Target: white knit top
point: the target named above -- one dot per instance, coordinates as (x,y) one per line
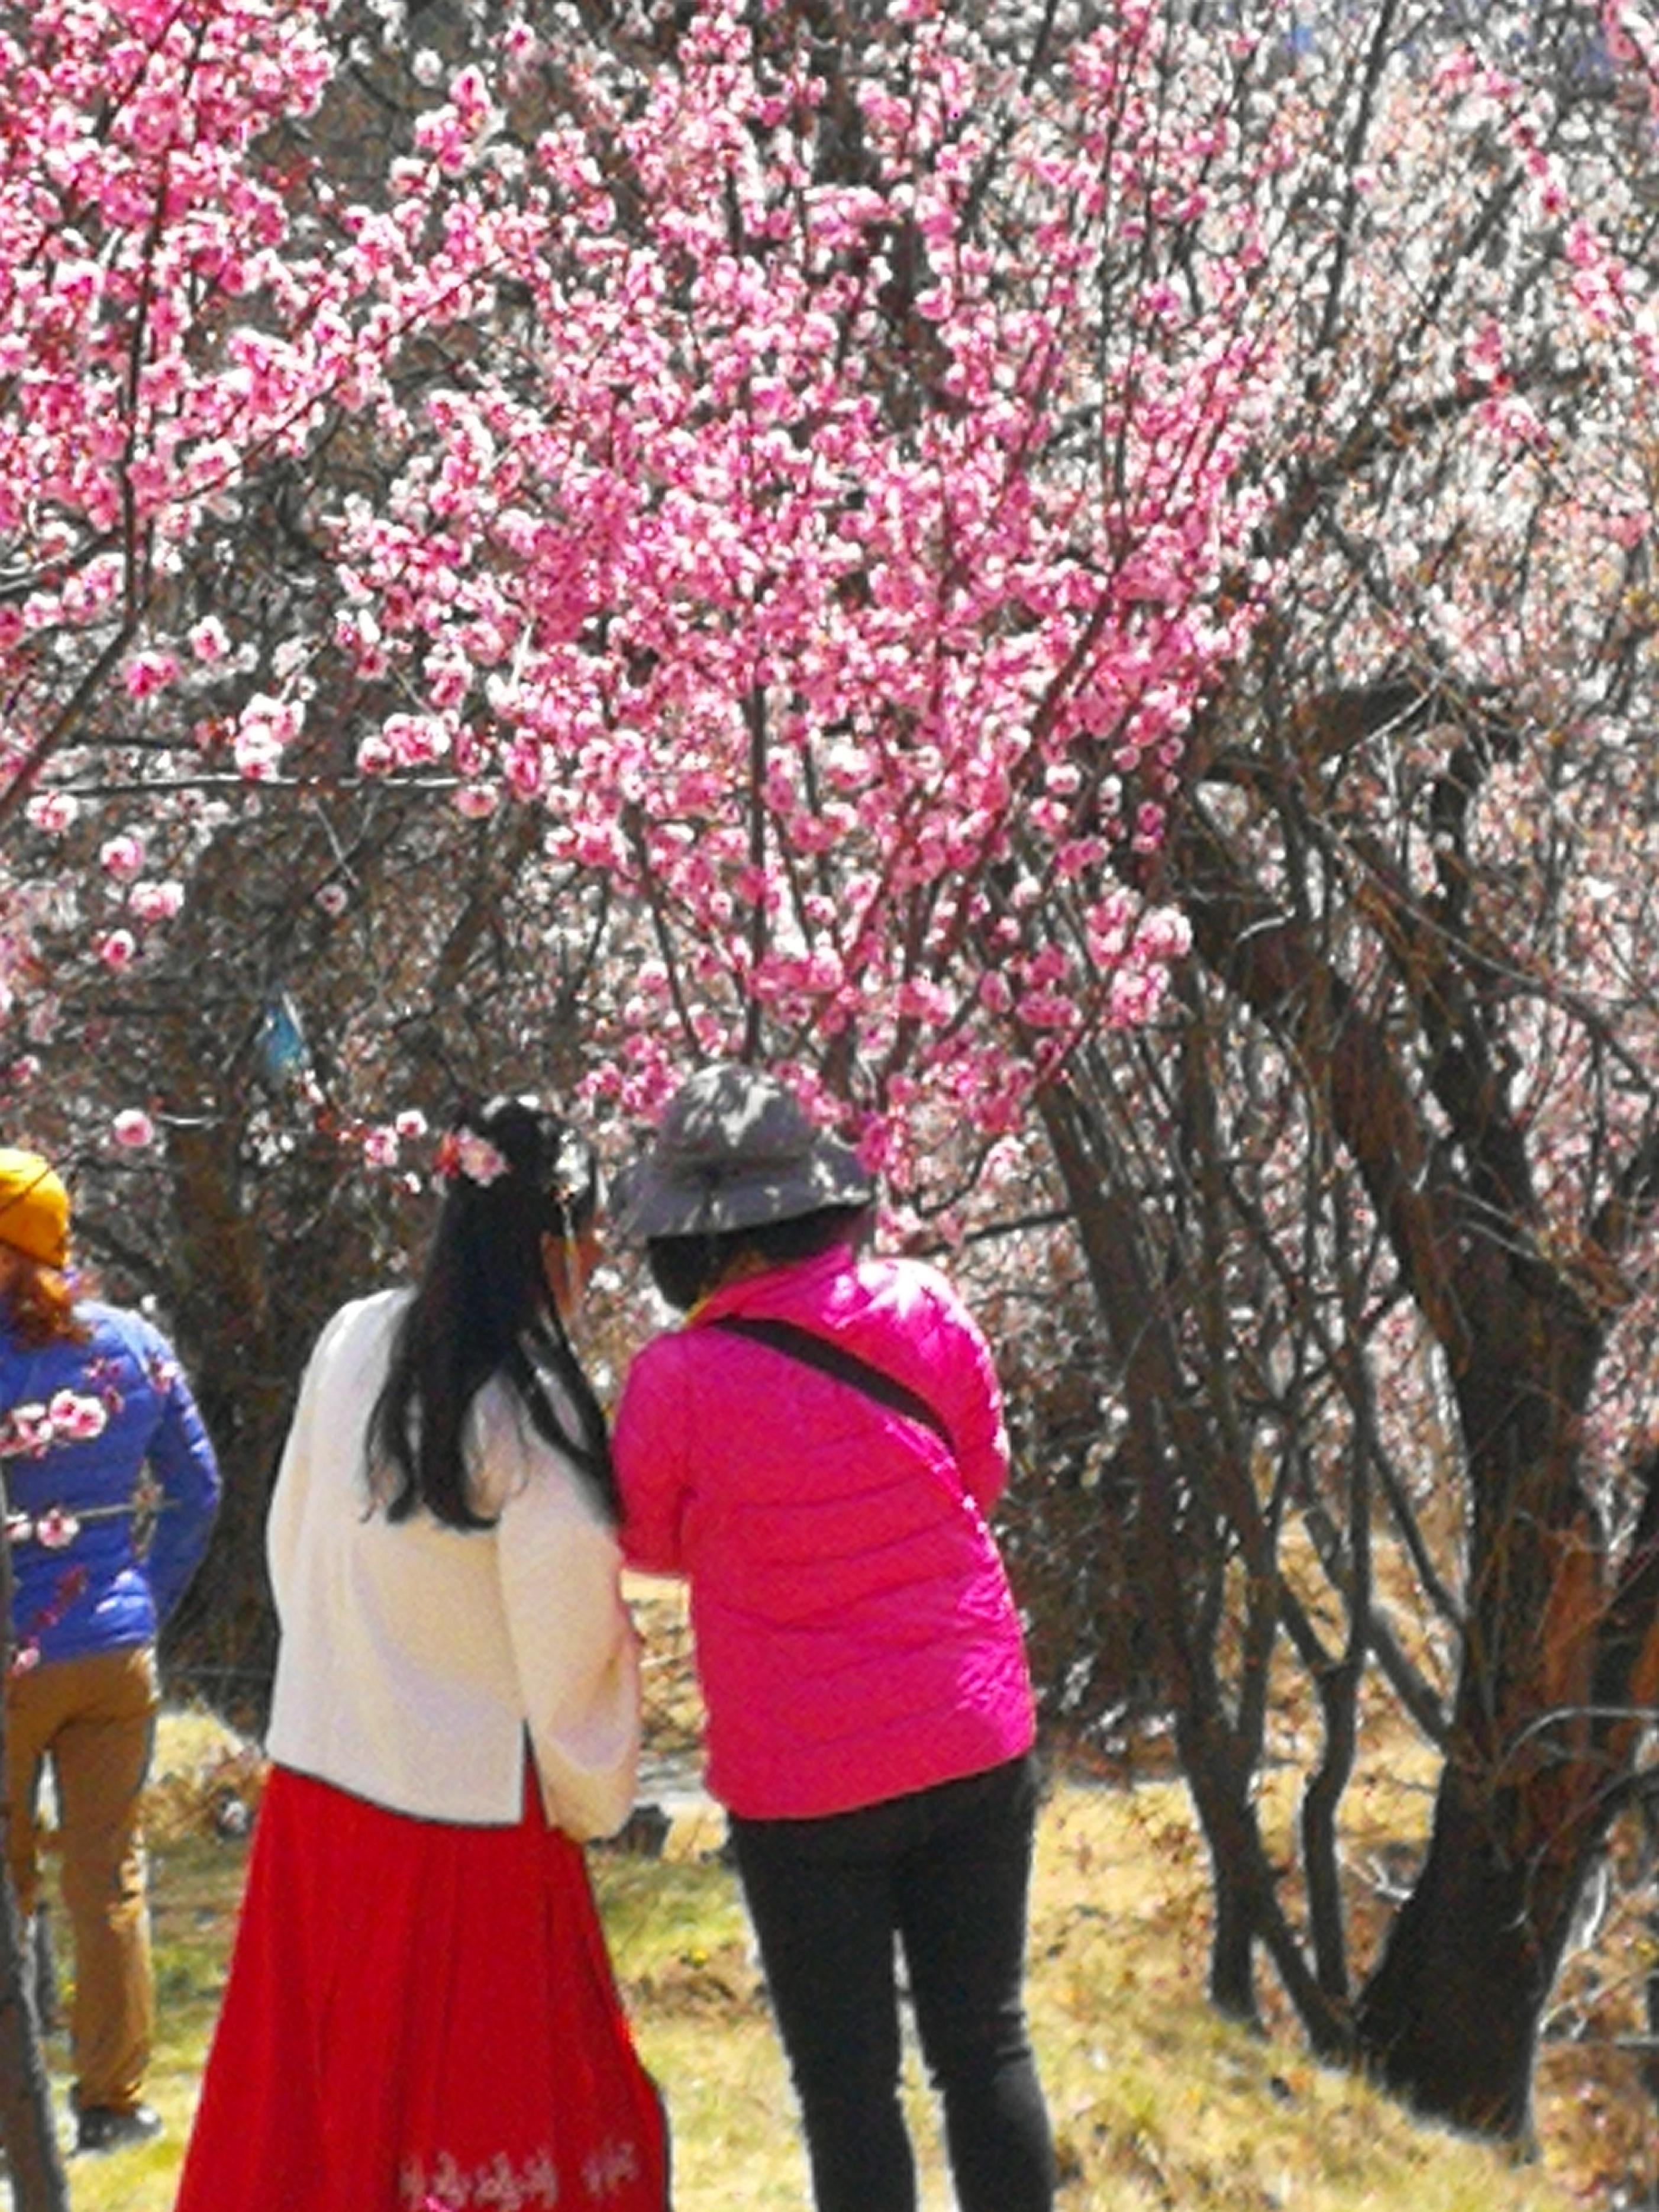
(417,1661)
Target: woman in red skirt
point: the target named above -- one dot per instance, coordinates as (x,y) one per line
(421,2015)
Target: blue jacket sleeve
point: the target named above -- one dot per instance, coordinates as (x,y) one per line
(181,1459)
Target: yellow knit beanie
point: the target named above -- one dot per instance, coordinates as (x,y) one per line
(34,1207)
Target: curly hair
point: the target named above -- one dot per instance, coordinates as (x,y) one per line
(40,1304)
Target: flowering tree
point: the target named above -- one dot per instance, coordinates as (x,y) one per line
(765,546)
(133,227)
(1395,1224)
(692,470)
(850,534)
(772,553)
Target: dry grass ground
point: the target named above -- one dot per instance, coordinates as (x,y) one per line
(1158,2103)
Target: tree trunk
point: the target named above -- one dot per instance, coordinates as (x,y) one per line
(27,2128)
(1232,1947)
(257,1266)
(221,1641)
(1449,2016)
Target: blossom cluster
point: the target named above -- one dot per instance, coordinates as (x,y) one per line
(70,1417)
(826,504)
(53,1530)
(796,609)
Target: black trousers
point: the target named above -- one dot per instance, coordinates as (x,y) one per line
(946,1872)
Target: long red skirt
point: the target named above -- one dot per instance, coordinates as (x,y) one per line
(419,2018)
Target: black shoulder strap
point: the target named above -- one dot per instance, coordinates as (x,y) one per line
(815,1351)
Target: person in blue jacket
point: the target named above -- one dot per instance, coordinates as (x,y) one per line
(90,1397)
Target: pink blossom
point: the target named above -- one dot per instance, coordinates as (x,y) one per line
(118,949)
(149,672)
(1164,934)
(157,902)
(51,812)
(208,640)
(1133,996)
(411,740)
(259,753)
(1048,1009)
(521,764)
(265,727)
(77,1416)
(477,800)
(381,1148)
(123,856)
(133,1128)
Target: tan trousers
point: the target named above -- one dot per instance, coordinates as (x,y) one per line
(95,1719)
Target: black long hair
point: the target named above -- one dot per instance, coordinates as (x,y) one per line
(517,1173)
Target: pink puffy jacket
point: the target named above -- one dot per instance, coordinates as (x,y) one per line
(855,1635)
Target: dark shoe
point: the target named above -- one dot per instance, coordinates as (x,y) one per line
(101,2127)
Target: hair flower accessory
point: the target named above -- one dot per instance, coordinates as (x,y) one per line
(464,1152)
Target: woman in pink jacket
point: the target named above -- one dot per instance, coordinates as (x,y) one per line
(816,1449)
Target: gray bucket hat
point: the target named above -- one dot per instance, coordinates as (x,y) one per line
(736,1149)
